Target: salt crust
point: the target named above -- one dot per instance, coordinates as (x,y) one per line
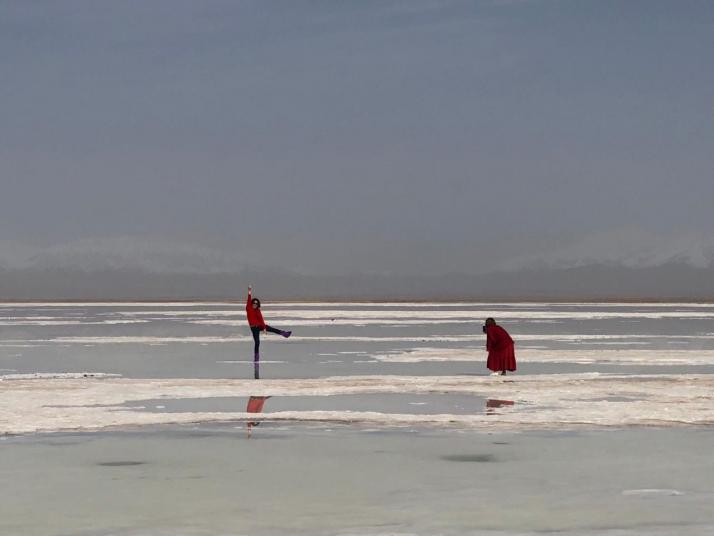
(560,401)
(580,356)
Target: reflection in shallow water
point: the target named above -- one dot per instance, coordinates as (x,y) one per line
(255,405)
(493,404)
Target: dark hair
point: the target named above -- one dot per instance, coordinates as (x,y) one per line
(255,301)
(490,320)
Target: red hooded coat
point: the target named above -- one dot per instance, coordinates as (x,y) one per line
(501,349)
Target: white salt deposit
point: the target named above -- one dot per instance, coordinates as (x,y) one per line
(653,492)
(68,322)
(550,355)
(542,401)
(56,375)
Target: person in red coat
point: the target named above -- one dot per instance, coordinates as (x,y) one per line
(257,324)
(501,348)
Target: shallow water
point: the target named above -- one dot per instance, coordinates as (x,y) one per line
(213,341)
(377,419)
(343,480)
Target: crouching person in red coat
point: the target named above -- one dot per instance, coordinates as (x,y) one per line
(501,348)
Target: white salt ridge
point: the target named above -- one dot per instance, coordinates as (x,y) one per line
(129,339)
(57,375)
(338,322)
(652,492)
(232,312)
(578,337)
(323,304)
(478,316)
(489,304)
(541,402)
(667,357)
(67,305)
(32,317)
(435,315)
(68,322)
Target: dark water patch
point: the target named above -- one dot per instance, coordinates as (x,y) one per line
(475,458)
(121,463)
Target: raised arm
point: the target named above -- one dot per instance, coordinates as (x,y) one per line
(250,297)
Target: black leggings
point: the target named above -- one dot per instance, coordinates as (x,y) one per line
(255,330)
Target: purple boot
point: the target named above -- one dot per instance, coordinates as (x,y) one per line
(256,357)
(286,334)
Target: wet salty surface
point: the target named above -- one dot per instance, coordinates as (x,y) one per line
(345,480)
(212,340)
(410,404)
(374,419)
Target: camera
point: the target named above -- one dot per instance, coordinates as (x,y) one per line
(483,328)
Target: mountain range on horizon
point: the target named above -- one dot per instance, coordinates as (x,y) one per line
(630,248)
(598,267)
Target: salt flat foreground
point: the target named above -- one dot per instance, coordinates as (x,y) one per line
(332,480)
(377,419)
(539,401)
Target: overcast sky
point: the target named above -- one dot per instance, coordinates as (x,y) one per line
(373,135)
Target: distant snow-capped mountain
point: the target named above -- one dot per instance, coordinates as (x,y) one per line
(628,249)
(620,266)
(127,254)
(631,249)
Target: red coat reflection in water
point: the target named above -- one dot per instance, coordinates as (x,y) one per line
(493,404)
(501,348)
(255,405)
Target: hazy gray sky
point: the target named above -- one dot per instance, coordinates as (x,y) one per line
(370,134)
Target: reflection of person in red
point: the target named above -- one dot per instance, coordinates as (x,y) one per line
(493,404)
(501,349)
(255,405)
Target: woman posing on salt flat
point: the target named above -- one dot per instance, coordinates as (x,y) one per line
(257,324)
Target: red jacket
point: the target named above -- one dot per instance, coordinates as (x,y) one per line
(497,338)
(255,317)
(501,352)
